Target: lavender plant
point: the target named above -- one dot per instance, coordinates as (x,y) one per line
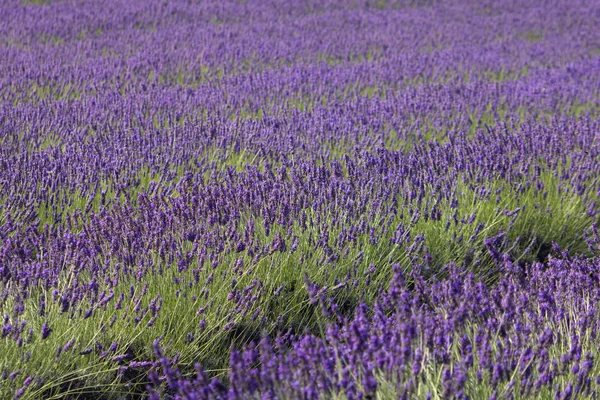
(299,199)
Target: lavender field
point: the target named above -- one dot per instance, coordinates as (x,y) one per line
(299,199)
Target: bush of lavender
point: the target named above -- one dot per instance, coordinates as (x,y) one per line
(299,199)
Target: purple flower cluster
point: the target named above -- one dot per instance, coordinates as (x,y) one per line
(455,338)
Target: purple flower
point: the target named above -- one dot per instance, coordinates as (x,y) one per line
(45,331)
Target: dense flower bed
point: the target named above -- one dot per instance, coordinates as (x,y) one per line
(533,334)
(299,199)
